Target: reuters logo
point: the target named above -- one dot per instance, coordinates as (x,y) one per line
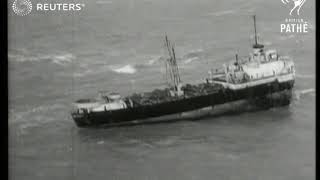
(22,7)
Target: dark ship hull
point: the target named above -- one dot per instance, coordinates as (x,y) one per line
(221,96)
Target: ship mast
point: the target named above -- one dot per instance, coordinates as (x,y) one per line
(172,69)
(255,30)
(256,45)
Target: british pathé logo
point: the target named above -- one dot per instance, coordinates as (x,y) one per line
(297,4)
(294,25)
(22,7)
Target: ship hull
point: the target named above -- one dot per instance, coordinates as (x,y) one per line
(259,94)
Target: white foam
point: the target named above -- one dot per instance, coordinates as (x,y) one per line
(100,142)
(153,60)
(61,59)
(307,91)
(298,93)
(21,58)
(167,142)
(34,117)
(127,69)
(189,60)
(16,117)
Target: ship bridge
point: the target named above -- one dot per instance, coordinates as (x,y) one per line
(261,67)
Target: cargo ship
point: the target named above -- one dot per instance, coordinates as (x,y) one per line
(264,76)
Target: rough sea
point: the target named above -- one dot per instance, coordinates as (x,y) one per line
(117,45)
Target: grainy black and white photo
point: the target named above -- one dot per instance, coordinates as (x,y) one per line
(161,89)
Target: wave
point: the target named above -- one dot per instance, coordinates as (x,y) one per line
(189,60)
(311,26)
(82,74)
(168,141)
(127,69)
(154,60)
(35,117)
(186,59)
(267,43)
(103,2)
(134,68)
(221,13)
(147,1)
(194,53)
(299,93)
(21,58)
(192,56)
(20,116)
(100,142)
(305,76)
(60,59)
(287,37)
(307,91)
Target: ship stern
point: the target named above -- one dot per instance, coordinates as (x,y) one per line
(81,120)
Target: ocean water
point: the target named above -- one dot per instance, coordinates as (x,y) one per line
(117,45)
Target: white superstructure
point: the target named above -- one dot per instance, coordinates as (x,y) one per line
(260,68)
(105,102)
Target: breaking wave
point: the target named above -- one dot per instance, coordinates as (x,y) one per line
(307,91)
(192,56)
(155,61)
(127,69)
(62,59)
(133,68)
(188,58)
(300,93)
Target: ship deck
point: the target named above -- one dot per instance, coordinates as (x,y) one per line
(163,95)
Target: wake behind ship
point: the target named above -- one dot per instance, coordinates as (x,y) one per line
(264,76)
